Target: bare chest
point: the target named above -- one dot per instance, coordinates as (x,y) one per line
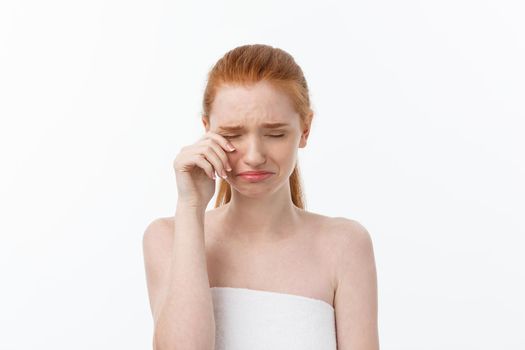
(302,265)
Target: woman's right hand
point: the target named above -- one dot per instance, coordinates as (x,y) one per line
(195,167)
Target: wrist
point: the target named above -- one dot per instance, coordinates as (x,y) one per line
(190,205)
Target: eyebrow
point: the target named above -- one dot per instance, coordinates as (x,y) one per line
(240,127)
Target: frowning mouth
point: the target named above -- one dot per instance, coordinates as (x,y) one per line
(255,172)
(255,176)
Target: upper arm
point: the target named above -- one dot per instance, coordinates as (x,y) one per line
(157,249)
(356,294)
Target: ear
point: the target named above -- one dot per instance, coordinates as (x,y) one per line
(206,124)
(306,130)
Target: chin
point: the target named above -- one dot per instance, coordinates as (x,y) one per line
(256,191)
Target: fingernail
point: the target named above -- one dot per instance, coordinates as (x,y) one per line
(231,148)
(224,175)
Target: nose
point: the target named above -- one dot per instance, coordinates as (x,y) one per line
(254,153)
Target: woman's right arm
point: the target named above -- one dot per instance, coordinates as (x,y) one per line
(175,253)
(178,283)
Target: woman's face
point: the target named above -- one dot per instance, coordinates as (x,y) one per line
(242,115)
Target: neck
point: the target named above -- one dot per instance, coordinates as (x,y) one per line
(262,219)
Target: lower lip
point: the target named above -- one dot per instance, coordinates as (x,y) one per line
(255,178)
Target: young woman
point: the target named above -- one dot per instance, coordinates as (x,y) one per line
(258,271)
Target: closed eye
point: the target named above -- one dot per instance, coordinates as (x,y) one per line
(232,136)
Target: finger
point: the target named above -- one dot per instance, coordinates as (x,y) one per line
(220,153)
(209,152)
(205,165)
(221,140)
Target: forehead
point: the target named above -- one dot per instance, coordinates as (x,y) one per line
(252,105)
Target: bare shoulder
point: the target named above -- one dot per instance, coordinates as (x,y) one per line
(156,244)
(350,243)
(348,232)
(160,223)
(340,230)
(355,299)
(158,231)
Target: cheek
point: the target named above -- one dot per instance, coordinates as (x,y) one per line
(285,151)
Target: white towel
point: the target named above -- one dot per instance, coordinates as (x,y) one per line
(249,319)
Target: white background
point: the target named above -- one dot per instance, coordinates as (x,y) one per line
(417,134)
